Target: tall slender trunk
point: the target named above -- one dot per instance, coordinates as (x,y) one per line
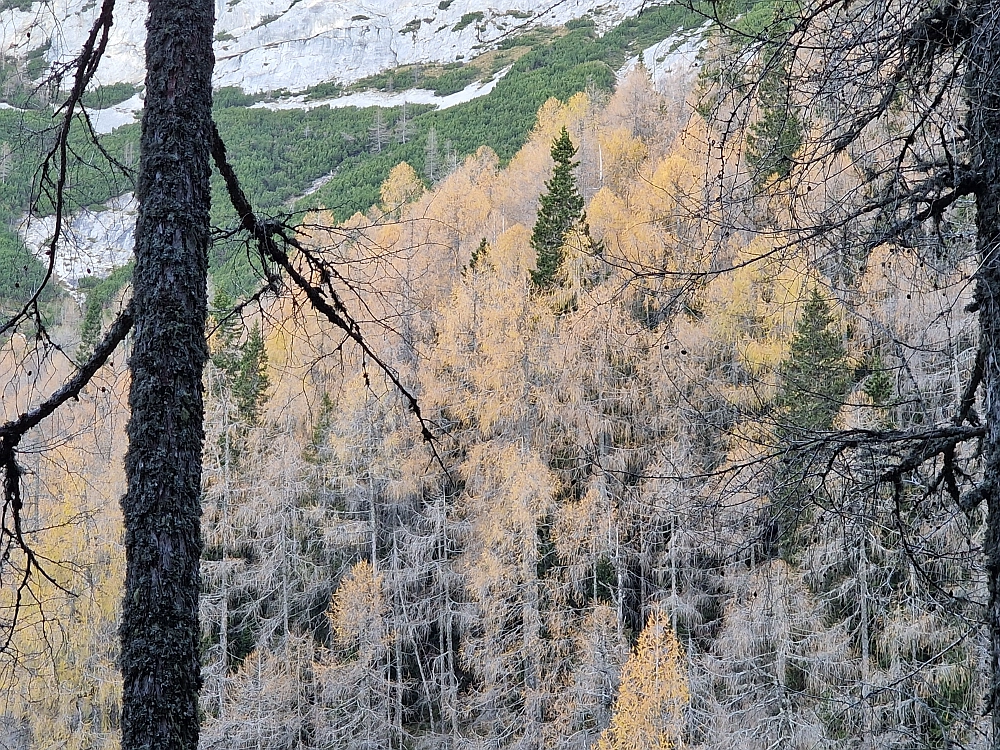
(866,671)
(984,138)
(162,506)
(224,617)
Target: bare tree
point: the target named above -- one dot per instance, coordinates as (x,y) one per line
(432,156)
(898,106)
(378,134)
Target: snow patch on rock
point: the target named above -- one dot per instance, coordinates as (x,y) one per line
(380,99)
(667,60)
(106,120)
(272,45)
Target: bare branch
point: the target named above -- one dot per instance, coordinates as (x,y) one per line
(325,300)
(10,436)
(85,65)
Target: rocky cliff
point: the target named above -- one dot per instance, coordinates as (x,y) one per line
(269,45)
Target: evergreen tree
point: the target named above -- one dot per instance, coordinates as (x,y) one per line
(561,208)
(816,376)
(226,332)
(775,138)
(479,255)
(250,381)
(242,366)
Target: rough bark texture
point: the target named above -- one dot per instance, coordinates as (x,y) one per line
(159,629)
(984,136)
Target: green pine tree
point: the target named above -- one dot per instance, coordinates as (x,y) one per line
(242,366)
(479,255)
(561,208)
(226,329)
(776,137)
(250,381)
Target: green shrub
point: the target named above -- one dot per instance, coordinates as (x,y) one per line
(108,96)
(468,18)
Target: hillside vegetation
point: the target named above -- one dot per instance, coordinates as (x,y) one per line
(281,155)
(599,548)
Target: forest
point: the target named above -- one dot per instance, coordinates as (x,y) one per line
(280,154)
(703,447)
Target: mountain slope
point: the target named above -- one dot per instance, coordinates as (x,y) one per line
(269,45)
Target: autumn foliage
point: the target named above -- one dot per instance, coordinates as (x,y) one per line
(602,547)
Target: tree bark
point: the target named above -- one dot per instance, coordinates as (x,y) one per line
(162,506)
(984,138)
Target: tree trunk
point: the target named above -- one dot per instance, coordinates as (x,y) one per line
(984,138)
(162,506)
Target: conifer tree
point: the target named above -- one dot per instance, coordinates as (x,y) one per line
(561,208)
(815,379)
(774,139)
(816,376)
(250,381)
(649,712)
(243,366)
(378,136)
(479,255)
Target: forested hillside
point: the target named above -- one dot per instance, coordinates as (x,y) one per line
(609,541)
(294,160)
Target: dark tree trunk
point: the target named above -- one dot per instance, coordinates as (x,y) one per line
(983,91)
(162,507)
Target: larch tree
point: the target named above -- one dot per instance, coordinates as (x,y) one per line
(159,630)
(399,188)
(159,656)
(649,712)
(906,100)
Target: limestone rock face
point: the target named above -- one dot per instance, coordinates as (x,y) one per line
(268,45)
(288,46)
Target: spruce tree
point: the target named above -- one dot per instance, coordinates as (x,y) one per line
(249,377)
(561,207)
(479,255)
(816,376)
(242,367)
(776,137)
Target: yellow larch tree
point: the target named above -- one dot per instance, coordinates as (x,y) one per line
(654,693)
(621,154)
(61,684)
(400,187)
